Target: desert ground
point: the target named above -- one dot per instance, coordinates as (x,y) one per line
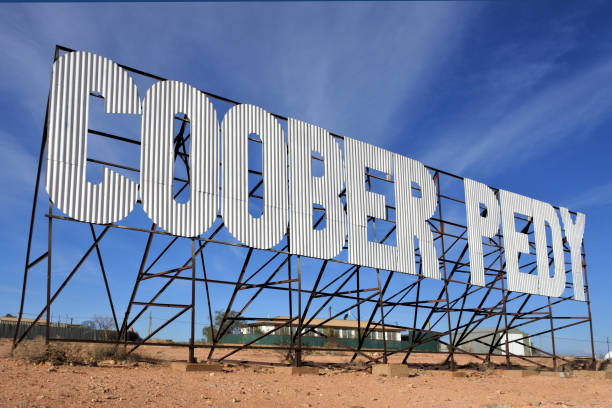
(156,384)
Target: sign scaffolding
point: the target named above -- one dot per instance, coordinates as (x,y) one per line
(450,311)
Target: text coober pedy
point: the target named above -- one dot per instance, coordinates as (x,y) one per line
(290,187)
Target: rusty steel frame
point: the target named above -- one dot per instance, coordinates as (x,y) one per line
(449,320)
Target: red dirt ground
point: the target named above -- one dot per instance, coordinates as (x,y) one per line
(157,385)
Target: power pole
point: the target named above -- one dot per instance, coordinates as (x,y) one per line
(150,318)
(608,341)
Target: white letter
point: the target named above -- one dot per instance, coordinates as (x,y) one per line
(542,213)
(362,203)
(574,234)
(306,190)
(412,214)
(268,230)
(75,75)
(161,103)
(479,226)
(515,242)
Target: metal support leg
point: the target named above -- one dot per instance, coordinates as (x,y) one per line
(588,302)
(298,352)
(193,272)
(446,278)
(382,318)
(47,325)
(552,335)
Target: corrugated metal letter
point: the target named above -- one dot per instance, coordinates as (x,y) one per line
(412,214)
(362,203)
(306,190)
(479,226)
(74,76)
(267,230)
(515,242)
(545,213)
(162,101)
(574,233)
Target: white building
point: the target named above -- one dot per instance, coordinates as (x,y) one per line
(479,341)
(340,329)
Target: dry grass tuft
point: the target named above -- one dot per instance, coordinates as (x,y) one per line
(56,353)
(35,351)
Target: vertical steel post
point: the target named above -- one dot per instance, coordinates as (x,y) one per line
(298,353)
(382,317)
(504,296)
(552,334)
(47,327)
(450,342)
(193,273)
(289,294)
(358,312)
(43,144)
(588,302)
(211,332)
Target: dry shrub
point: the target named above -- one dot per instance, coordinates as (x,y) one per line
(102,352)
(36,351)
(165,341)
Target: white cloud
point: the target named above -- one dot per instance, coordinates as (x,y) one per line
(356,69)
(19,172)
(595,197)
(565,109)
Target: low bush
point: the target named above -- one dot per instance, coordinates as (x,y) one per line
(102,352)
(36,352)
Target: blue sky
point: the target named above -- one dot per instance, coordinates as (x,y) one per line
(518,96)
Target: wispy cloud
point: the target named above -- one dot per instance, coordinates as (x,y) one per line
(19,174)
(598,196)
(491,140)
(361,75)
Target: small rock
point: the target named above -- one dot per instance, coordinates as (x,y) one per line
(235,400)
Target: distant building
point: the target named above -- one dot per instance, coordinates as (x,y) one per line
(339,329)
(479,341)
(41,322)
(57,330)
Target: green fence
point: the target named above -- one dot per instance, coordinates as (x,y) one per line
(309,341)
